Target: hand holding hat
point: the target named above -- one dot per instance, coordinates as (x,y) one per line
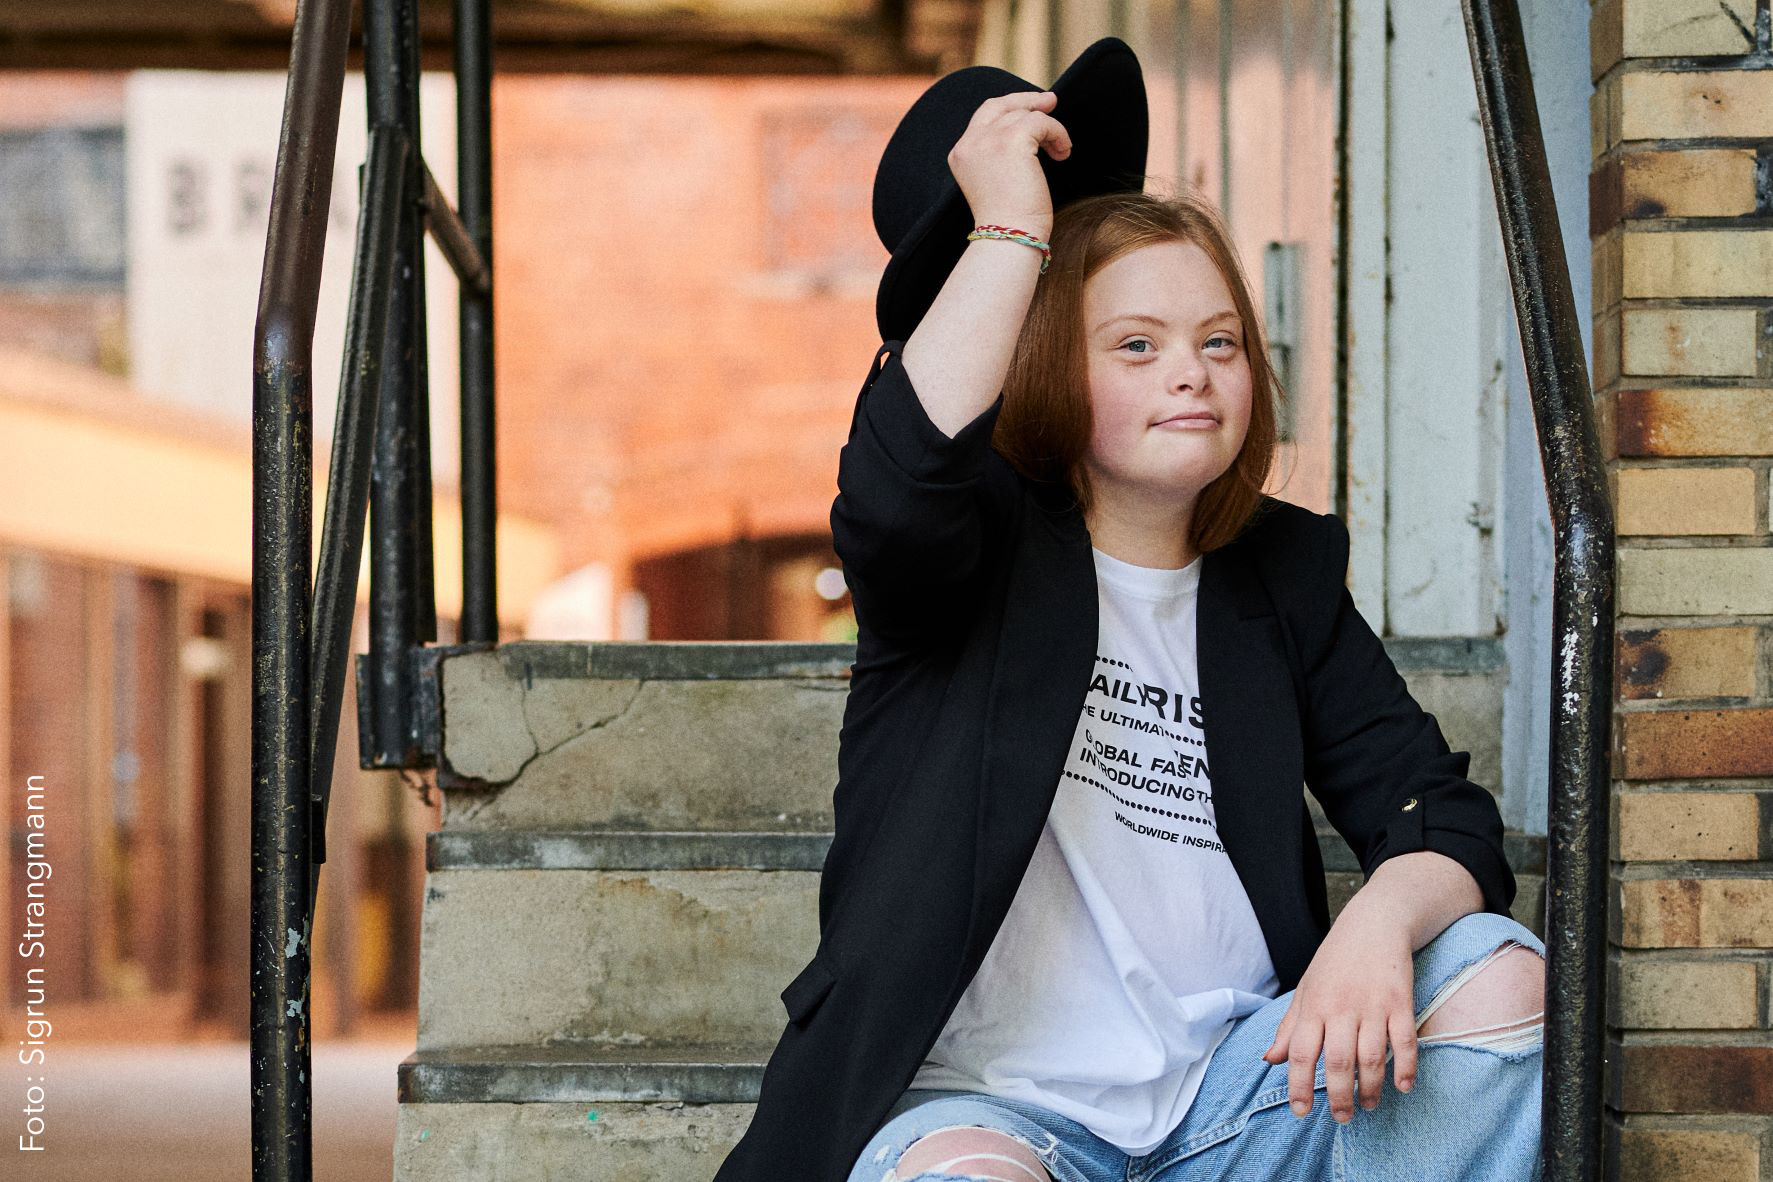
(921,212)
(995,163)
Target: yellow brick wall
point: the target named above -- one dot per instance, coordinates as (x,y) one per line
(1681,222)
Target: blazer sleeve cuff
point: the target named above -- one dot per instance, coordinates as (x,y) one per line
(907,435)
(1486,862)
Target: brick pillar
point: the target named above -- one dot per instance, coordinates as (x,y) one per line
(1681,216)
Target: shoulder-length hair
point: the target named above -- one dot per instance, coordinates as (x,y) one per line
(1044,427)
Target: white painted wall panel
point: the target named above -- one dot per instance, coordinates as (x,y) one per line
(1447,314)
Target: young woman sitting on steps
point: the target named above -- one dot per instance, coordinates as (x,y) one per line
(1127,1021)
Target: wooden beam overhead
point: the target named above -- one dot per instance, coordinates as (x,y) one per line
(605,37)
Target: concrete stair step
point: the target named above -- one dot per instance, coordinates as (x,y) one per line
(575,1110)
(639,735)
(658,938)
(660,1141)
(535,956)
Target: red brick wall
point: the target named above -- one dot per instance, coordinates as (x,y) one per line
(686,274)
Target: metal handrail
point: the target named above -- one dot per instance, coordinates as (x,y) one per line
(347,499)
(1583,594)
(380,454)
(282,392)
(454,240)
(402,594)
(479,623)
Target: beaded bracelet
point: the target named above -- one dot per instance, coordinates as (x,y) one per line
(1014,235)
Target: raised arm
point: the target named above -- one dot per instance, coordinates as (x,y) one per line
(916,517)
(913,519)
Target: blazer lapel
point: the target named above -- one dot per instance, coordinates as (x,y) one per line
(1045,654)
(1254,750)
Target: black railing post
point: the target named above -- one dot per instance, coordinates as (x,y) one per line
(282,468)
(480,607)
(1582,611)
(347,493)
(402,597)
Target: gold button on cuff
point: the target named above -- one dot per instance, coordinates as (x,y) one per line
(1409,804)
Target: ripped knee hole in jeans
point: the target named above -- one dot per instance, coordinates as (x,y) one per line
(1497,1036)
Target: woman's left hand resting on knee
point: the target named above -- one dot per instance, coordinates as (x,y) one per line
(1358,993)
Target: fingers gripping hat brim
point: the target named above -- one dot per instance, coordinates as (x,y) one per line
(921,214)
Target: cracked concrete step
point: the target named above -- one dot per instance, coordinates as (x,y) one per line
(640,735)
(519,957)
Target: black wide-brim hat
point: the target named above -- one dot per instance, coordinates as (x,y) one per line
(921,214)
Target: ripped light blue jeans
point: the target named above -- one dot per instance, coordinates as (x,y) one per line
(1472,1116)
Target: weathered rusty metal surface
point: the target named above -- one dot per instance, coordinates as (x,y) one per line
(1583,604)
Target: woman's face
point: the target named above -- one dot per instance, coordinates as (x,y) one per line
(1163,339)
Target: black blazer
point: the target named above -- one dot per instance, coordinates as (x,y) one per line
(975,596)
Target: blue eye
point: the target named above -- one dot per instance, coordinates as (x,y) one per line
(1228,340)
(1137,341)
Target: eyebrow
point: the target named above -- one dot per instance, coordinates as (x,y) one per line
(1222,314)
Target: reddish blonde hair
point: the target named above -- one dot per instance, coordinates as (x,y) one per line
(1044,427)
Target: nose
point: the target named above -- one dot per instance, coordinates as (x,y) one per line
(1190,374)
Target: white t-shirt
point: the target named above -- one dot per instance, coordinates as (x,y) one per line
(1130,944)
